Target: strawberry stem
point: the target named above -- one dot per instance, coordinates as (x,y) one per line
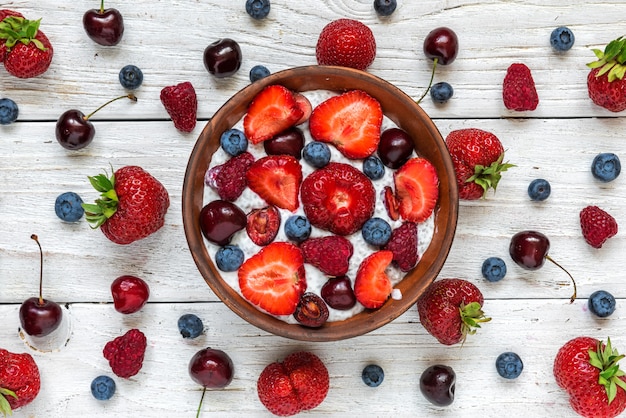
(201,400)
(97,213)
(36,239)
(5,407)
(14,29)
(430,83)
(573,297)
(129,95)
(606,359)
(472,316)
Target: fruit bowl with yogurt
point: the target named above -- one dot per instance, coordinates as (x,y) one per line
(320,250)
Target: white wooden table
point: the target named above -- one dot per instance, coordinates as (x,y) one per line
(530,310)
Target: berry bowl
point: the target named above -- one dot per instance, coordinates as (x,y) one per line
(399,110)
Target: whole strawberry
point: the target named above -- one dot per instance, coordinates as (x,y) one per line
(450,309)
(589,372)
(518,89)
(347,43)
(605,82)
(597,225)
(126,353)
(297,384)
(477,156)
(132,205)
(19,380)
(24,49)
(181,103)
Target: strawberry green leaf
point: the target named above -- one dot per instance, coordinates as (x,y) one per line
(606,359)
(97,213)
(14,29)
(5,408)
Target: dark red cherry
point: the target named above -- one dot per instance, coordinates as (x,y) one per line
(289,142)
(441,44)
(311,311)
(211,368)
(437,384)
(395,147)
(104,26)
(337,292)
(129,293)
(222,58)
(220,219)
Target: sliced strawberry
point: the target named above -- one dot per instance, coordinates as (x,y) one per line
(350,121)
(372,286)
(417,189)
(331,254)
(263,225)
(276,179)
(391,204)
(338,198)
(274,279)
(305,105)
(272,111)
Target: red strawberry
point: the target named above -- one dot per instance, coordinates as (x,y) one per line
(351,121)
(272,110)
(450,309)
(276,179)
(263,224)
(597,225)
(518,89)
(125,353)
(19,380)
(477,157)
(403,245)
(181,104)
(372,286)
(417,189)
(299,383)
(331,254)
(605,83)
(347,43)
(229,179)
(589,372)
(6,13)
(391,203)
(338,198)
(26,50)
(305,105)
(132,205)
(273,279)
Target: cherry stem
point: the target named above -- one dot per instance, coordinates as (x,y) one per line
(573,298)
(101,6)
(129,96)
(201,399)
(36,239)
(430,83)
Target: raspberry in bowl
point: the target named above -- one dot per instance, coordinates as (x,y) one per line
(364,226)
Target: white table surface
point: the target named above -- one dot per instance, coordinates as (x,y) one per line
(530,310)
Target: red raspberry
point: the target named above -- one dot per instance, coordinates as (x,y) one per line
(125,353)
(597,225)
(518,89)
(229,179)
(403,245)
(331,255)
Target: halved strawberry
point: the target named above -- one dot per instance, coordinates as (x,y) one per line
(391,204)
(276,179)
(350,121)
(372,286)
(272,111)
(274,278)
(305,105)
(417,189)
(263,224)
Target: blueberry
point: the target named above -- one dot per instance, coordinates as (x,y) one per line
(131,77)
(562,39)
(102,388)
(190,326)
(601,303)
(494,269)
(441,92)
(539,189)
(258,72)
(373,168)
(297,228)
(509,365)
(8,111)
(316,153)
(385,7)
(606,167)
(234,142)
(373,375)
(258,9)
(229,258)
(376,231)
(68,207)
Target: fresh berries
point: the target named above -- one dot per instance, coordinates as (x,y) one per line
(8,111)
(376,231)
(297,228)
(276,179)
(337,292)
(103,388)
(220,220)
(373,167)
(330,254)
(518,89)
(373,375)
(441,92)
(19,380)
(125,353)
(311,311)
(190,326)
(316,153)
(509,365)
(26,50)
(288,142)
(258,9)
(606,167)
(417,189)
(597,225)
(263,225)
(274,279)
(229,179)
(403,245)
(539,190)
(562,39)
(273,110)
(438,384)
(258,72)
(181,104)
(234,142)
(601,303)
(229,258)
(385,7)
(347,43)
(299,383)
(131,77)
(605,82)
(493,269)
(338,198)
(395,148)
(67,207)
(372,286)
(129,293)
(350,121)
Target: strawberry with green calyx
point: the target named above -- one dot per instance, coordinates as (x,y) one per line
(19,380)
(605,82)
(26,51)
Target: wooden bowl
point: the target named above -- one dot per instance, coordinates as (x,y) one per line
(428,143)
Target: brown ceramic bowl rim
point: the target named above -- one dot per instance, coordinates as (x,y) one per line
(395,103)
